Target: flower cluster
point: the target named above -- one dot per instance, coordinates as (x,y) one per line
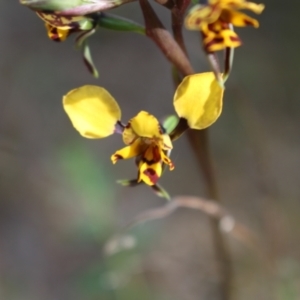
(215,21)
(198,98)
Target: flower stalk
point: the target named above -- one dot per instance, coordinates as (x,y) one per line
(199,142)
(229,53)
(164,40)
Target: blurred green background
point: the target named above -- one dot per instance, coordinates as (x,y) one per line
(59,201)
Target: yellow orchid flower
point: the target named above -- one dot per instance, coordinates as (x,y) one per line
(95,114)
(214,20)
(146,140)
(60,27)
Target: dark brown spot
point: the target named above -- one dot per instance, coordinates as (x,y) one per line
(156,157)
(118,156)
(54,35)
(152,175)
(213,42)
(198,21)
(248,22)
(234,39)
(160,129)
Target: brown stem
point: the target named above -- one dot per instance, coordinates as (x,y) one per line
(208,207)
(199,141)
(214,62)
(164,40)
(181,127)
(229,52)
(166,3)
(177,20)
(175,52)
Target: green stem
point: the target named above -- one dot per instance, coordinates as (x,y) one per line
(229,53)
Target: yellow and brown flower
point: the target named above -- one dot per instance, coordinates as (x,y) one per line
(215,20)
(147,142)
(96,114)
(60,27)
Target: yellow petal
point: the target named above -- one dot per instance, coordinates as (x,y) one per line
(198,99)
(129,136)
(133,150)
(201,14)
(149,174)
(256,8)
(241,4)
(238,19)
(57,34)
(166,159)
(150,166)
(145,125)
(152,154)
(221,40)
(92,110)
(166,142)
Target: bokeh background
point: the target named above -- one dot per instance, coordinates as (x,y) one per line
(59,201)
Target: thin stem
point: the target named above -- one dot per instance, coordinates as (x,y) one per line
(214,62)
(209,207)
(175,52)
(181,127)
(199,141)
(176,27)
(164,40)
(229,53)
(166,3)
(119,127)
